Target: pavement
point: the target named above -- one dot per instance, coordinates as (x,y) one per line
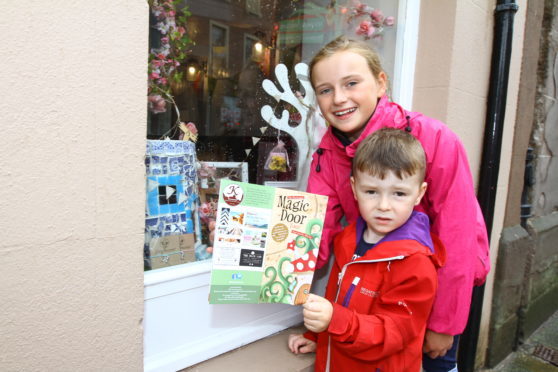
(539,352)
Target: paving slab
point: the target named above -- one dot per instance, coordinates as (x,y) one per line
(539,353)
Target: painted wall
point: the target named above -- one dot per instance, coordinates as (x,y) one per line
(452,79)
(448,86)
(72,175)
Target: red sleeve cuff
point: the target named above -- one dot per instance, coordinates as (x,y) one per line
(311,336)
(340,320)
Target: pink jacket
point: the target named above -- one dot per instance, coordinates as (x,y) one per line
(450,203)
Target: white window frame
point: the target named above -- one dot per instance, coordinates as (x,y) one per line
(226,29)
(180,327)
(406,52)
(246,58)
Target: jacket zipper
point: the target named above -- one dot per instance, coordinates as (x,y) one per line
(341,275)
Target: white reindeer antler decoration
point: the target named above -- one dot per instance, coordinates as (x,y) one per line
(308,126)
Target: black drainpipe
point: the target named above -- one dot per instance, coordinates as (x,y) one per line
(488,180)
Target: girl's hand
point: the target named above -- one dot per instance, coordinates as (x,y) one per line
(298,344)
(317,313)
(436,344)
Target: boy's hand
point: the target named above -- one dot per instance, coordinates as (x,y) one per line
(317,313)
(436,344)
(298,344)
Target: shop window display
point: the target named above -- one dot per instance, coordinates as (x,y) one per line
(208,63)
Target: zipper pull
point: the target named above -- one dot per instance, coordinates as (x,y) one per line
(402,303)
(349,294)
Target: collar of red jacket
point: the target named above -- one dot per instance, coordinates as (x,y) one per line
(411,238)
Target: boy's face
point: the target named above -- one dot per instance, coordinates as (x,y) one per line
(347,91)
(386,204)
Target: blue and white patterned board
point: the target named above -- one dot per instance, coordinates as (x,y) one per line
(171,188)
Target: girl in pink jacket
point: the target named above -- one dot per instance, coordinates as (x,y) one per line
(350,87)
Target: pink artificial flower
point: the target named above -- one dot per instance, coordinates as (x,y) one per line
(181,30)
(171,13)
(156,63)
(204,209)
(165,39)
(154,76)
(365,28)
(157,103)
(192,128)
(363,9)
(389,21)
(163,81)
(377,15)
(161,56)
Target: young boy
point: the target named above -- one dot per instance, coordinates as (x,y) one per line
(383,282)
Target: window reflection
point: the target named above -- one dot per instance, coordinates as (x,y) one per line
(236,45)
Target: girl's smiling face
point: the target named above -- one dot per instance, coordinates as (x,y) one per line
(347,91)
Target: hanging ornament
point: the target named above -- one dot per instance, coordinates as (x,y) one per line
(278,159)
(189,132)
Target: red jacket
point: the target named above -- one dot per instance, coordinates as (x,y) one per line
(449,202)
(379,319)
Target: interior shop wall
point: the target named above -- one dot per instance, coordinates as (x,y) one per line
(72,178)
(451,84)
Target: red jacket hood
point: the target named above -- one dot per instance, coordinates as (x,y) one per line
(415,233)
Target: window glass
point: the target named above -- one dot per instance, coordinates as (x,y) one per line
(229,48)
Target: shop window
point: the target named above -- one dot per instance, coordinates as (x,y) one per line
(225,51)
(230,48)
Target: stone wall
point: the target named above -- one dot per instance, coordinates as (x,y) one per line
(544,138)
(525,286)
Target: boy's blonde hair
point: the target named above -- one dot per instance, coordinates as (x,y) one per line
(342,44)
(390,149)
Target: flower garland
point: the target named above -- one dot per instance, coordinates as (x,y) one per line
(165,60)
(374,24)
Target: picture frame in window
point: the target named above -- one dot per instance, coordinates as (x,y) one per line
(209,190)
(249,42)
(237,171)
(218,56)
(292,185)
